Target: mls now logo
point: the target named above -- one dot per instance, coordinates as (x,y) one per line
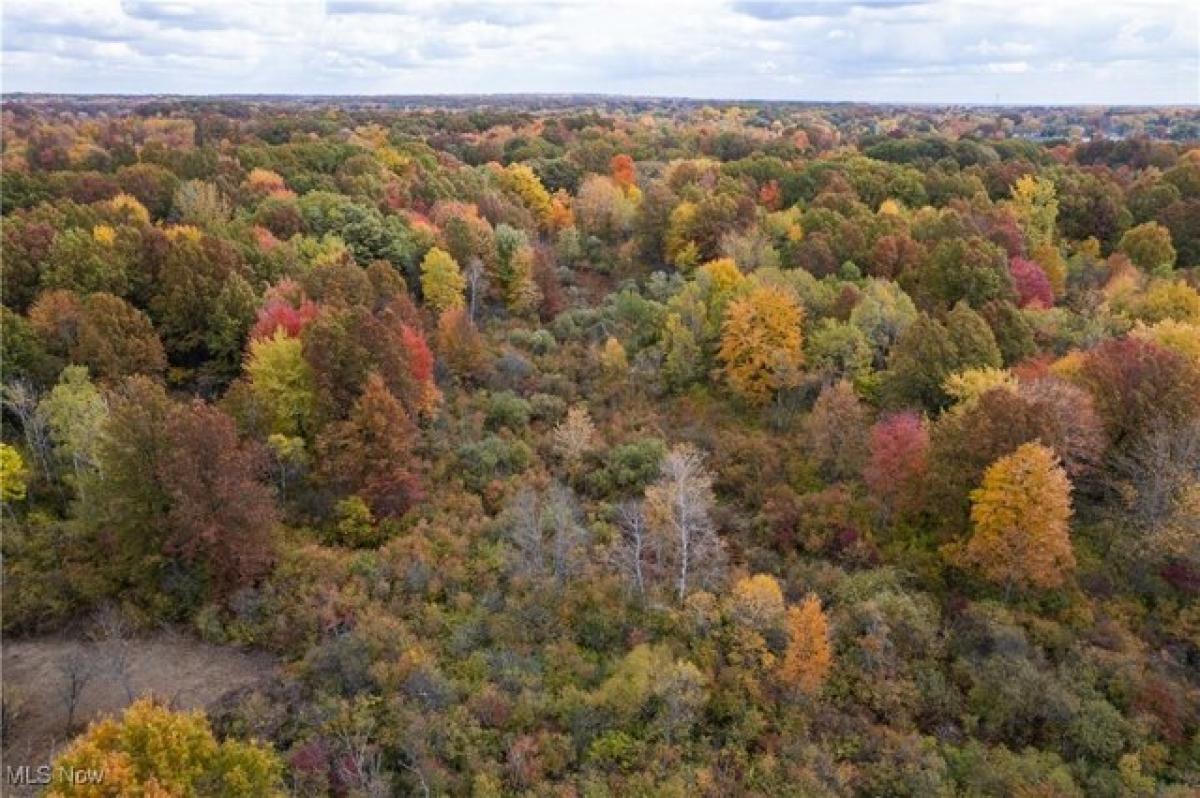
(22,775)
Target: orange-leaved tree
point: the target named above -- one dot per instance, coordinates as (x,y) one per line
(808,657)
(761,343)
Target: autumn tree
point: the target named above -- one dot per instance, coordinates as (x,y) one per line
(524,183)
(897,460)
(756,602)
(460,345)
(441,281)
(835,432)
(282,381)
(1036,204)
(14,475)
(154,751)
(574,437)
(1137,385)
(284,307)
(1032,286)
(808,658)
(1149,247)
(371,452)
(1020,515)
(678,508)
(222,517)
(761,344)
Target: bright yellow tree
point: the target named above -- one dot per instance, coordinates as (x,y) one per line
(761,343)
(1036,204)
(14,476)
(808,658)
(1020,514)
(442,282)
(153,751)
(524,182)
(757,602)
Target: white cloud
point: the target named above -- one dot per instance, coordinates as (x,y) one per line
(1117,51)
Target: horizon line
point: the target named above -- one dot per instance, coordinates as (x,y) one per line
(5,95)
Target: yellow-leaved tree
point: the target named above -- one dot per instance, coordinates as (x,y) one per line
(153,751)
(808,657)
(1020,514)
(761,343)
(442,281)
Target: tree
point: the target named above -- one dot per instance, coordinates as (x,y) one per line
(1020,514)
(285,307)
(116,340)
(808,658)
(574,437)
(603,208)
(634,554)
(623,171)
(546,534)
(1138,385)
(678,510)
(1032,286)
(14,476)
(834,432)
(154,751)
(970,269)
(460,345)
(761,344)
(282,381)
(85,261)
(756,602)
(441,281)
(523,181)
(897,461)
(1036,204)
(222,517)
(75,412)
(882,314)
(130,505)
(371,452)
(1149,247)
(683,360)
(924,355)
(184,305)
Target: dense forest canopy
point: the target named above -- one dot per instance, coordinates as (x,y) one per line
(593,446)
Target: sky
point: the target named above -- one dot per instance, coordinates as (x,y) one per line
(937,51)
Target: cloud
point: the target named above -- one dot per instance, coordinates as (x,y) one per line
(778,10)
(886,50)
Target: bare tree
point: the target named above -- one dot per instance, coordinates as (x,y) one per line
(476,284)
(545,532)
(633,554)
(677,510)
(111,633)
(567,535)
(77,667)
(524,520)
(21,399)
(1154,482)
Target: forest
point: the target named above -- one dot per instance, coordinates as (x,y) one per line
(587,447)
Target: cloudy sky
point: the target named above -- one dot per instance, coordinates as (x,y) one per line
(1008,51)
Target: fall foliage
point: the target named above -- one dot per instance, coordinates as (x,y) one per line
(1019,515)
